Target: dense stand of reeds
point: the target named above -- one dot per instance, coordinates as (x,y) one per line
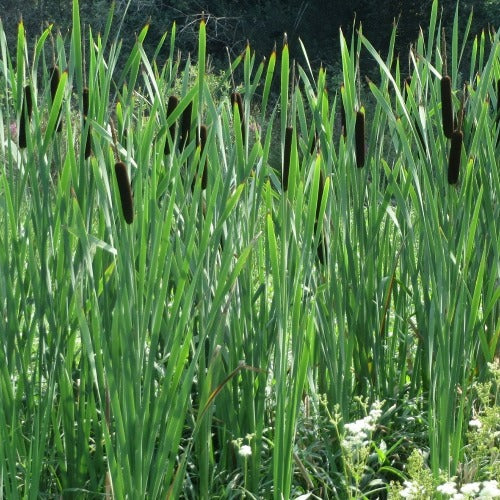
(151,360)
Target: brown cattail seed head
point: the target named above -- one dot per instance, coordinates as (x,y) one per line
(286,157)
(86,101)
(454,158)
(55,76)
(125,192)
(236,100)
(173,101)
(186,124)
(498,102)
(360,139)
(321,188)
(26,110)
(342,115)
(446,106)
(202,140)
(315,143)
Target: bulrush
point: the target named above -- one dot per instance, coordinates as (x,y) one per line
(446,106)
(360,139)
(55,76)
(406,85)
(321,250)
(26,110)
(286,158)
(186,124)
(86,101)
(454,158)
(343,124)
(201,141)
(236,100)
(125,192)
(173,101)
(315,143)
(498,109)
(498,103)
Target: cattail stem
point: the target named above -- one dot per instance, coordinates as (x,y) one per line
(446,106)
(24,121)
(55,76)
(125,192)
(173,101)
(286,157)
(454,158)
(360,139)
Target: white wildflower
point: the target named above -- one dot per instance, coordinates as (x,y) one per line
(448,488)
(470,488)
(489,490)
(411,491)
(475,423)
(458,496)
(245,451)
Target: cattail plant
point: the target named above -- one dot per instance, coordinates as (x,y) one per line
(24,121)
(125,192)
(186,124)
(236,100)
(454,158)
(447,106)
(360,139)
(86,100)
(55,76)
(173,101)
(286,157)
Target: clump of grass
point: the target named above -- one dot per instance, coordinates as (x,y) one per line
(286,158)
(55,76)
(125,192)
(360,139)
(24,121)
(173,101)
(454,158)
(447,107)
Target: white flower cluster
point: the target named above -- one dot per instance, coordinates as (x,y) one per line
(485,489)
(358,432)
(412,491)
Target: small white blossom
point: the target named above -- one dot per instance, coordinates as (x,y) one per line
(448,488)
(458,496)
(475,423)
(245,451)
(470,488)
(411,491)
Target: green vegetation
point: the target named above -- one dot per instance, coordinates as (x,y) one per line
(196,324)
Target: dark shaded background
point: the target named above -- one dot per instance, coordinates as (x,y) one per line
(230,23)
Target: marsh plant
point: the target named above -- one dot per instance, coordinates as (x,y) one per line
(202,296)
